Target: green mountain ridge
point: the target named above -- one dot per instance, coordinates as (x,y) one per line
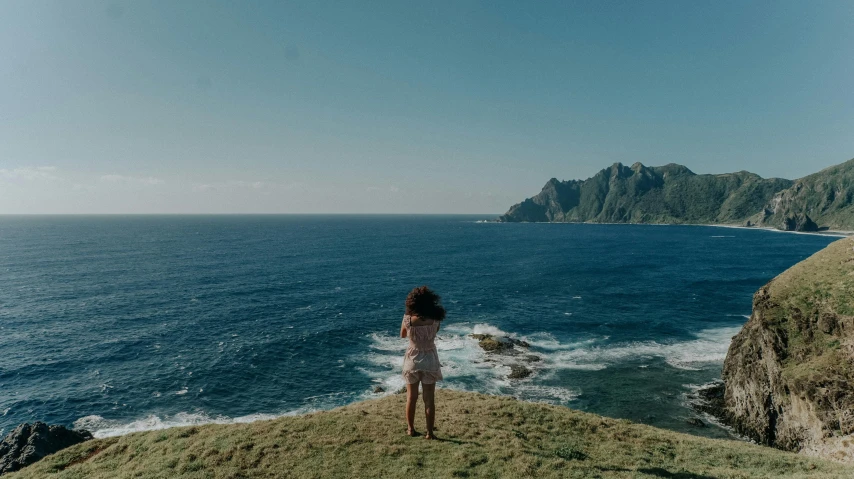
(827,197)
(673,194)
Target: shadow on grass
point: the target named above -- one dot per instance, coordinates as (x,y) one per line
(613,469)
(659,472)
(458,442)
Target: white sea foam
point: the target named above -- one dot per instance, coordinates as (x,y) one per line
(100,427)
(467,367)
(488,329)
(464,364)
(549,342)
(562,395)
(709,346)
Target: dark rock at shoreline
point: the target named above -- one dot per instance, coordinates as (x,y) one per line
(379,389)
(519,372)
(801,223)
(710,400)
(696,422)
(492,345)
(28,443)
(505,345)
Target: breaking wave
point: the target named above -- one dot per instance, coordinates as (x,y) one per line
(100,427)
(466,366)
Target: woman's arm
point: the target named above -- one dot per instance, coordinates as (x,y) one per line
(403,329)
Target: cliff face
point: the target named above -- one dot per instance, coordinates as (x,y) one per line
(824,199)
(789,373)
(641,194)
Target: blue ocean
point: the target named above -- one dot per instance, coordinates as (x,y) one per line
(127,323)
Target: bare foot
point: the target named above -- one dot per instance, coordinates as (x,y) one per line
(430,436)
(411,432)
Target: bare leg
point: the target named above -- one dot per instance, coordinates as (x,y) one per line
(430,408)
(411,402)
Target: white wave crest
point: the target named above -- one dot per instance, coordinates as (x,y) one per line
(465,365)
(489,329)
(710,346)
(100,427)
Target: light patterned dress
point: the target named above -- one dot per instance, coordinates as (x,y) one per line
(421,361)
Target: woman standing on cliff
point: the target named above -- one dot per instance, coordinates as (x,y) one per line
(424,315)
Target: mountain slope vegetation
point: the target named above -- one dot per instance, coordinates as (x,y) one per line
(826,198)
(673,194)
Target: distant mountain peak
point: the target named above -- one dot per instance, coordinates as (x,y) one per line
(674,194)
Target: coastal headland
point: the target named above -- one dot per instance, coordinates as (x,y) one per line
(480,436)
(673,194)
(787,376)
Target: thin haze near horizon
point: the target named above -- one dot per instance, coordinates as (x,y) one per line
(404,107)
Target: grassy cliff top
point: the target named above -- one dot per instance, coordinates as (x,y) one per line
(811,308)
(482,436)
(824,280)
(813,302)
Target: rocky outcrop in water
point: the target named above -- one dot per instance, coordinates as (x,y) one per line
(517,371)
(789,374)
(28,443)
(509,347)
(503,345)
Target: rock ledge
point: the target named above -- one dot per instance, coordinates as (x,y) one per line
(28,443)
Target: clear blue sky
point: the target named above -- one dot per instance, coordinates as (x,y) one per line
(407,107)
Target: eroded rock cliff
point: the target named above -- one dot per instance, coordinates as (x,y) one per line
(821,200)
(28,443)
(789,373)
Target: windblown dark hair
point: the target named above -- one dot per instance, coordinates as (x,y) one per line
(424,303)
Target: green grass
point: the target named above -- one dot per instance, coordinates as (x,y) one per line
(482,436)
(812,303)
